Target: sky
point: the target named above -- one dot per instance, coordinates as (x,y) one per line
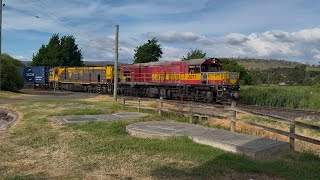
(286,29)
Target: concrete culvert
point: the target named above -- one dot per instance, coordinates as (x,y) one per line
(7,118)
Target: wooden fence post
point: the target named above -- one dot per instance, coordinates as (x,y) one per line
(160,105)
(181,99)
(233,116)
(124,102)
(191,116)
(292,133)
(139,104)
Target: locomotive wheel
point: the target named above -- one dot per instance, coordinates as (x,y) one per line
(169,94)
(209,97)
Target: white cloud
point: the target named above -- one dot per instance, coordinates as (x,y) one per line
(300,46)
(18,57)
(317,57)
(146,9)
(174,36)
(235,38)
(308,36)
(172,53)
(179,26)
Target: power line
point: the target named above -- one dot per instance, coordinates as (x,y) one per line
(56,12)
(59,16)
(42,12)
(49,17)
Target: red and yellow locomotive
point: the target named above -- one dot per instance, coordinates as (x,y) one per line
(196,79)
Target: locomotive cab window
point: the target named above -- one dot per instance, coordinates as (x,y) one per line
(214,68)
(205,68)
(194,69)
(191,69)
(127,76)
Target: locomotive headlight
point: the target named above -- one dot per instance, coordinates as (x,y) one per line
(224,89)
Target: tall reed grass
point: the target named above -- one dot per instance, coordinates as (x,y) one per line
(292,97)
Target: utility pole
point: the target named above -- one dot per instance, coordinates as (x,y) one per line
(0,39)
(115,79)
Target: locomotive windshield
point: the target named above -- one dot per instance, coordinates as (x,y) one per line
(209,68)
(203,65)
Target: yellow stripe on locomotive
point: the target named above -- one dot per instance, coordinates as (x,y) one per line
(81,75)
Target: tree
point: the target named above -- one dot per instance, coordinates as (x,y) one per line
(58,52)
(298,74)
(148,52)
(258,76)
(195,54)
(232,65)
(70,54)
(11,80)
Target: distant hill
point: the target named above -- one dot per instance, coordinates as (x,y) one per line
(263,64)
(26,63)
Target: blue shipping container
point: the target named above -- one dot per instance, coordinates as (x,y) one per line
(28,74)
(41,74)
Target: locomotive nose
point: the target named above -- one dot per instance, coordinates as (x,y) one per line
(235,95)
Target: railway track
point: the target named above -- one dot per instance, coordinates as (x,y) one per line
(313,116)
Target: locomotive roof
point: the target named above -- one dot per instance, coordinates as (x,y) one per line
(189,62)
(199,61)
(195,61)
(153,63)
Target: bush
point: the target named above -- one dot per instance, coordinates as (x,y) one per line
(11,80)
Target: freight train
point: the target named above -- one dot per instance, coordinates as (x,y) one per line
(35,77)
(196,79)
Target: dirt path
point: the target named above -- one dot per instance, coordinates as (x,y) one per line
(30,94)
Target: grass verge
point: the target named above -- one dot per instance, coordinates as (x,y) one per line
(36,148)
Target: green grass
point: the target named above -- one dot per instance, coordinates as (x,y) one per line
(293,97)
(36,148)
(111,140)
(19,176)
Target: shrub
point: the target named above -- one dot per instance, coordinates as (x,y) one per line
(11,80)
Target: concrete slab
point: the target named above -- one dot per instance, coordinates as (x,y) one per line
(7,118)
(252,146)
(102,117)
